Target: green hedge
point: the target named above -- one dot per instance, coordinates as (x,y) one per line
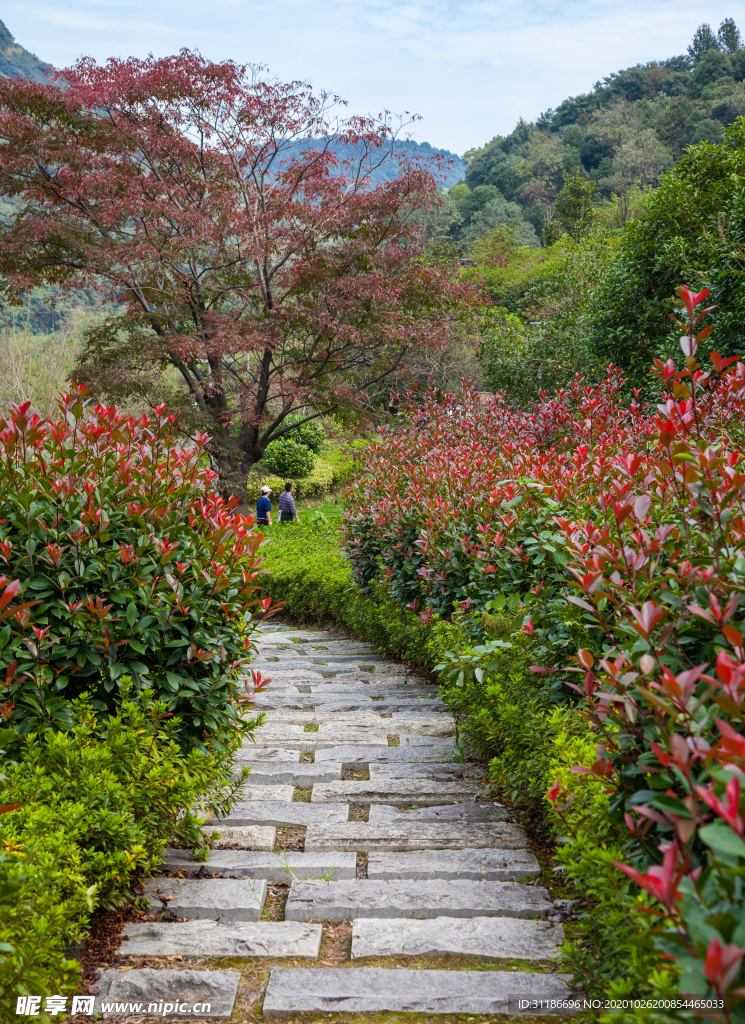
(317,484)
(90,810)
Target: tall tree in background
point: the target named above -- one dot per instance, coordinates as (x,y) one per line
(728,36)
(703,41)
(575,207)
(235,221)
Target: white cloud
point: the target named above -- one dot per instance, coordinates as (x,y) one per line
(469,67)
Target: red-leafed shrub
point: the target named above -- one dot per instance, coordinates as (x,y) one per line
(120,560)
(592,514)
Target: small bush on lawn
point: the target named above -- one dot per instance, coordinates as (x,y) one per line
(288,458)
(94,808)
(311,434)
(121,560)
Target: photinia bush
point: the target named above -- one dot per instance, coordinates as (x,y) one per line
(634,518)
(119,559)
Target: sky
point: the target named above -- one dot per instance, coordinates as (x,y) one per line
(469,68)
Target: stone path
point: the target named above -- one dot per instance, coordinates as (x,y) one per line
(356,767)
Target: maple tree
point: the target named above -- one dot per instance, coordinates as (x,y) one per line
(236,221)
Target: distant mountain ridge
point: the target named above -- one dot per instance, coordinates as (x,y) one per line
(17,62)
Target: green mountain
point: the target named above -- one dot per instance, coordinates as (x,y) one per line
(17,62)
(623,135)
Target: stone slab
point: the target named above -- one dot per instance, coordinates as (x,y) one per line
(362,756)
(295,990)
(210,938)
(276,792)
(374,688)
(422,724)
(511,937)
(364,837)
(313,741)
(272,867)
(221,899)
(274,686)
(342,705)
(493,865)
(396,791)
(313,900)
(297,773)
(119,991)
(431,771)
(465,812)
(346,720)
(250,753)
(281,702)
(303,658)
(249,837)
(273,735)
(415,740)
(283,815)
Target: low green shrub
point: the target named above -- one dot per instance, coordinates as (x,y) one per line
(96,806)
(311,434)
(610,950)
(42,912)
(289,458)
(317,484)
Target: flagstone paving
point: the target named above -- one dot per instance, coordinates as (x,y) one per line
(386,826)
(313,900)
(212,938)
(503,937)
(273,867)
(219,899)
(447,835)
(370,989)
(395,791)
(269,812)
(485,864)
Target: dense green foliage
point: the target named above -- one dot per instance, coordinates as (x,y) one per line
(310,432)
(122,561)
(317,484)
(288,457)
(538,340)
(96,807)
(691,228)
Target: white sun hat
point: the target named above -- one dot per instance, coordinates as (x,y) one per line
(266,490)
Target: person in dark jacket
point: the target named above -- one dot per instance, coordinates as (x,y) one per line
(264,507)
(287,510)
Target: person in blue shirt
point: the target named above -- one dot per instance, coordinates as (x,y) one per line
(264,507)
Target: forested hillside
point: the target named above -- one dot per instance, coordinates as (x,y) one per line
(626,132)
(581,225)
